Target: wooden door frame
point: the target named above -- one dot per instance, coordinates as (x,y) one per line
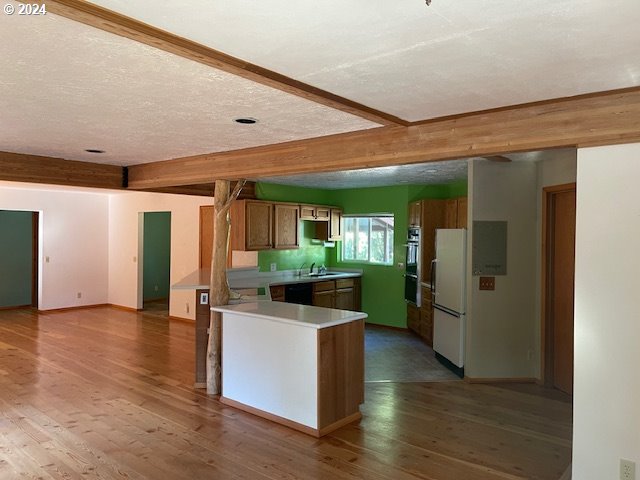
(546,340)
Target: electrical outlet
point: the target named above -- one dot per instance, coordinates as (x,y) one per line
(79,294)
(187,307)
(156,288)
(204,298)
(46,259)
(627,470)
(274,267)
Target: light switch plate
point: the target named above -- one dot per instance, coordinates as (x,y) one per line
(487,283)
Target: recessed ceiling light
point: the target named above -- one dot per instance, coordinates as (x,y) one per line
(94,150)
(246,120)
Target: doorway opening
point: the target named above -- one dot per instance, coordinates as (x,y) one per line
(19,247)
(558,274)
(155,263)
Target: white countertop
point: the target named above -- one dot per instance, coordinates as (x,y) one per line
(250,278)
(294,314)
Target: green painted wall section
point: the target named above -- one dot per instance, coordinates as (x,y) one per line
(157,255)
(293,259)
(382,286)
(16,244)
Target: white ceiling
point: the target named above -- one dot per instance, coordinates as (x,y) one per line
(65,87)
(420,62)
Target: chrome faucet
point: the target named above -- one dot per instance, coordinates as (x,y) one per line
(311,269)
(300,269)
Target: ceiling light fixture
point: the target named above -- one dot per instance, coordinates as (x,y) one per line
(428,2)
(94,150)
(246,120)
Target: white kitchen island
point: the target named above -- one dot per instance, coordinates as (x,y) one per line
(298,365)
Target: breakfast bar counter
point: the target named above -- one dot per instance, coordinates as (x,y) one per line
(298,365)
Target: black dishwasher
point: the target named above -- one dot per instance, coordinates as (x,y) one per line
(301,293)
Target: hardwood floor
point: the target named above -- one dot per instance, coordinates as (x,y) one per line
(104,393)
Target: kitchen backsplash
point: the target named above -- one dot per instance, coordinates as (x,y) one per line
(292,259)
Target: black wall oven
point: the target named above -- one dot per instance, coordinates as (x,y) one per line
(412,267)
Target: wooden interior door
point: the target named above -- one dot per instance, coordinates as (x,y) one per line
(560,222)
(206,235)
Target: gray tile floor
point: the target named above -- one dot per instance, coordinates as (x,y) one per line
(400,356)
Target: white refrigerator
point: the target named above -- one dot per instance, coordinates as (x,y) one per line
(449,298)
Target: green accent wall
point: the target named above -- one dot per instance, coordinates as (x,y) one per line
(157,255)
(16,250)
(382,285)
(293,259)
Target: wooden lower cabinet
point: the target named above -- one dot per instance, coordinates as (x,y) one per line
(413,318)
(277,293)
(343,294)
(420,319)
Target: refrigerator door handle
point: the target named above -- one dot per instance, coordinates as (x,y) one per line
(447,310)
(432,278)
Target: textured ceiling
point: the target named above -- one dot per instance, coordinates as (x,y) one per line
(420,62)
(66,87)
(432,173)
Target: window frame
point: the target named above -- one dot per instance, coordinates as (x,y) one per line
(388,252)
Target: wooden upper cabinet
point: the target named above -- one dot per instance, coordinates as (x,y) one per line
(286,231)
(415,214)
(451,213)
(335,224)
(251,225)
(433,217)
(259,223)
(314,212)
(462,213)
(456,213)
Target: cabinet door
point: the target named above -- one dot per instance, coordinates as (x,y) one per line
(324,299)
(307,212)
(432,219)
(206,235)
(322,213)
(259,225)
(414,214)
(462,213)
(413,318)
(426,325)
(277,293)
(451,213)
(335,224)
(286,234)
(344,299)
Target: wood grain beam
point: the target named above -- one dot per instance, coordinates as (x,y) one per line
(588,120)
(112,22)
(18,167)
(206,190)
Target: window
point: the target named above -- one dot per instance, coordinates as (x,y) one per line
(368,239)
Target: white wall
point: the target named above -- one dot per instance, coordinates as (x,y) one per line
(73,235)
(124,210)
(500,326)
(607,312)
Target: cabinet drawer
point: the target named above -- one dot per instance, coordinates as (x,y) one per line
(324,286)
(344,283)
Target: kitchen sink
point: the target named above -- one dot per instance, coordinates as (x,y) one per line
(326,274)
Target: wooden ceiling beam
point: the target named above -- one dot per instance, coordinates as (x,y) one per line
(589,120)
(16,167)
(118,24)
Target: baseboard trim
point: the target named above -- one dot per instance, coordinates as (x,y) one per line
(16,307)
(501,380)
(126,309)
(386,327)
(354,417)
(270,416)
(67,309)
(182,319)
